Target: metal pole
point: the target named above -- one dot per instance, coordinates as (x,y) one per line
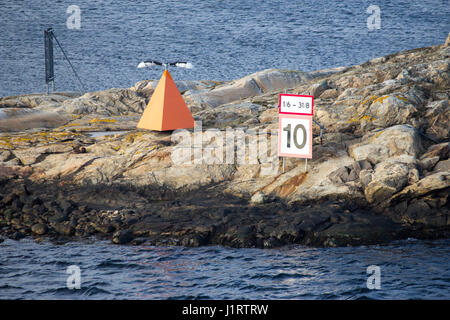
(306,164)
(284,159)
(321,130)
(48,58)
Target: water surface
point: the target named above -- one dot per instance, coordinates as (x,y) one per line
(409,270)
(223,39)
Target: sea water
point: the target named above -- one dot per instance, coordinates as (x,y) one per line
(409,269)
(224,40)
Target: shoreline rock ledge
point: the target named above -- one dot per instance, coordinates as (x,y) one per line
(73,166)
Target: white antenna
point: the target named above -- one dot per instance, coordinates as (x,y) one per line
(152,63)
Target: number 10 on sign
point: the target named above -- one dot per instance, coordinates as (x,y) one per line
(295,136)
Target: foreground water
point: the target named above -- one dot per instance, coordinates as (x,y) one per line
(223,39)
(409,270)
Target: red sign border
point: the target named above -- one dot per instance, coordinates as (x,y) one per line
(293,155)
(296,113)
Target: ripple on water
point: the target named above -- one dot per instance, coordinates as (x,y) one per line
(119,264)
(409,271)
(84,291)
(233,42)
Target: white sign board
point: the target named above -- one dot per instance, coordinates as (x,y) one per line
(296,104)
(295,136)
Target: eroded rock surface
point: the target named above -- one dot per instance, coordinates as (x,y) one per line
(380,171)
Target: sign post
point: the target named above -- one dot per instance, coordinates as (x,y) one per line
(295,126)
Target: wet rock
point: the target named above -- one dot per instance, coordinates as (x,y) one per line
(17,235)
(130,221)
(138,241)
(39,229)
(438,221)
(52,206)
(9,198)
(8,213)
(16,222)
(104,228)
(17,205)
(417,210)
(64,229)
(243,236)
(58,218)
(122,237)
(194,240)
(370,230)
(76,213)
(36,201)
(87,229)
(67,206)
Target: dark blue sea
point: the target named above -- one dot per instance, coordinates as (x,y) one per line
(222,39)
(408,270)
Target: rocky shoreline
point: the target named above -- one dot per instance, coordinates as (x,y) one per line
(66,213)
(380,172)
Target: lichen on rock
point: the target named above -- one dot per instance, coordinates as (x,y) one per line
(384,150)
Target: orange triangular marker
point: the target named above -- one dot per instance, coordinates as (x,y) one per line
(166,109)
